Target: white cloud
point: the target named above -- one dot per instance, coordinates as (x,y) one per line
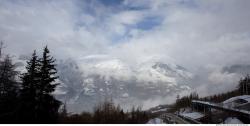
(193,33)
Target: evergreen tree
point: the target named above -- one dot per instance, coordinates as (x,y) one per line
(8,85)
(38,105)
(8,89)
(48,106)
(28,93)
(244,85)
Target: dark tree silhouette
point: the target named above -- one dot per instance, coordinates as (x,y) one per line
(8,85)
(244,85)
(8,90)
(48,106)
(33,102)
(28,94)
(38,105)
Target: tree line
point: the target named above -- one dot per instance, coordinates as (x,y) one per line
(243,88)
(27,97)
(106,113)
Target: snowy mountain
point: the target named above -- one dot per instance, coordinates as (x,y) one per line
(90,80)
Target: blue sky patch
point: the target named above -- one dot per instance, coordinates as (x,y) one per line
(111,2)
(149,23)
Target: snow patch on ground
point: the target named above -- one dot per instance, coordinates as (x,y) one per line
(245,97)
(160,110)
(155,121)
(193,115)
(231,102)
(187,112)
(232,120)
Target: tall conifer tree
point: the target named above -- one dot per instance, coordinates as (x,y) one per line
(8,89)
(38,105)
(48,106)
(28,93)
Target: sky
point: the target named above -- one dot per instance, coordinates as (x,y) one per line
(203,36)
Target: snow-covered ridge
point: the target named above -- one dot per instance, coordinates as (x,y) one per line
(151,72)
(87,81)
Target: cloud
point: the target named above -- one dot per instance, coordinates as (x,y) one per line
(195,34)
(36,23)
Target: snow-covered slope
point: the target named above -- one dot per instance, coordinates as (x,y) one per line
(86,82)
(155,121)
(192,115)
(237,101)
(232,120)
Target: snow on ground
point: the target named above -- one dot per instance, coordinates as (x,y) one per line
(159,110)
(245,97)
(155,121)
(232,120)
(185,110)
(193,115)
(232,101)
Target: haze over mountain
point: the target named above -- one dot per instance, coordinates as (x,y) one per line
(96,78)
(148,48)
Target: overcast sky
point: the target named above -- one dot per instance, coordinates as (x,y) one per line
(197,34)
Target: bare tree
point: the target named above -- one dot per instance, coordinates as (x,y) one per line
(1,48)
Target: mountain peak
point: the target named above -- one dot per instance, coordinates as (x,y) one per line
(92,79)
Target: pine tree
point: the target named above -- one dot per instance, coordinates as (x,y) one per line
(8,89)
(28,93)
(8,84)
(38,105)
(48,106)
(244,85)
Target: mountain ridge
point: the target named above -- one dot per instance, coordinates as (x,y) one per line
(85,84)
